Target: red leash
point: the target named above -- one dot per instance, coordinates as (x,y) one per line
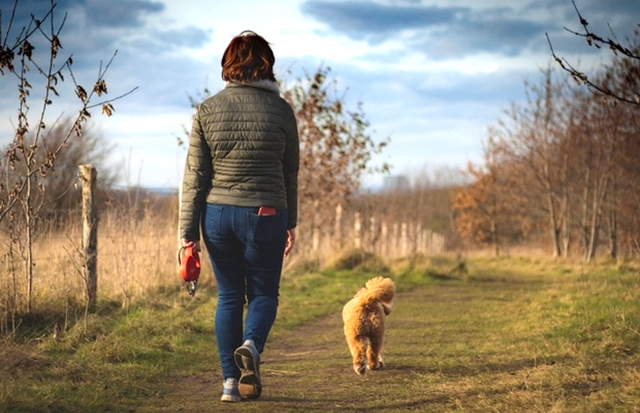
(189,262)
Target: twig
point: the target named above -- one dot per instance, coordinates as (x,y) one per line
(596,41)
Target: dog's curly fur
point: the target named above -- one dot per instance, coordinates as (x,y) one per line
(364,323)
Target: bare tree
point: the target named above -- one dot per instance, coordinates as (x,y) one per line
(335,146)
(61,192)
(568,163)
(609,191)
(34,151)
(601,151)
(530,143)
(568,155)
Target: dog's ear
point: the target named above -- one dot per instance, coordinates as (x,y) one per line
(386,308)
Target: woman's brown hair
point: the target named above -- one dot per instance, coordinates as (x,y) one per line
(248,58)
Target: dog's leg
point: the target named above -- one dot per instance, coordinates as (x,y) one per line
(374,352)
(357,347)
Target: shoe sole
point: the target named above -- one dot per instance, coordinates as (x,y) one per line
(230,399)
(249,384)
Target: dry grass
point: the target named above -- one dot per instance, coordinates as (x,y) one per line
(511,335)
(137,258)
(468,333)
(135,255)
(506,335)
(137,248)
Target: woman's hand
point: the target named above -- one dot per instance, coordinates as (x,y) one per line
(195,244)
(291,240)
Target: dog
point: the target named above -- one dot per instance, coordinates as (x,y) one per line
(364,323)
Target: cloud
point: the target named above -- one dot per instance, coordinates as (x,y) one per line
(91,25)
(150,56)
(119,13)
(624,14)
(90,13)
(441,32)
(374,21)
(487,33)
(189,37)
(432,74)
(91,31)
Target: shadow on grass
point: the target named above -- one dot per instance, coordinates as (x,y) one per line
(321,403)
(476,369)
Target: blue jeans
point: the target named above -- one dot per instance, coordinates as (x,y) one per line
(246,252)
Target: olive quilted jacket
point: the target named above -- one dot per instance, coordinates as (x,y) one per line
(243,151)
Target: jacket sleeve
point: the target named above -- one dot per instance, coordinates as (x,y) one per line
(198,172)
(291,164)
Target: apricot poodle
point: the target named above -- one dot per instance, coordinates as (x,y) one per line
(364,323)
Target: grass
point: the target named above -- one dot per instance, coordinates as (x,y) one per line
(491,335)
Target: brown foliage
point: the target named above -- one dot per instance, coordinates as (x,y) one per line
(335,145)
(487,212)
(566,162)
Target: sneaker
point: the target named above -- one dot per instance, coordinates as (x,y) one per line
(230,391)
(248,360)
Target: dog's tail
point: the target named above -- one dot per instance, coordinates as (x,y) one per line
(379,290)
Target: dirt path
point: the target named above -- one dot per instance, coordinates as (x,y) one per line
(284,372)
(449,346)
(308,369)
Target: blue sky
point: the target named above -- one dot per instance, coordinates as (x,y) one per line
(433,75)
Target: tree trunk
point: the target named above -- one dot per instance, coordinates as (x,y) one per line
(29,222)
(553,222)
(613,219)
(599,197)
(585,213)
(494,237)
(613,234)
(566,237)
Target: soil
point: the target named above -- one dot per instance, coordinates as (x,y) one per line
(306,369)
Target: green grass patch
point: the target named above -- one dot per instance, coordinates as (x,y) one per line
(484,334)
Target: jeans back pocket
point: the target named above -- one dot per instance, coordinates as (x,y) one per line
(267,229)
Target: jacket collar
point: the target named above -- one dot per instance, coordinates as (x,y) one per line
(269,85)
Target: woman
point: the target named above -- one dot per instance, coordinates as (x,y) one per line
(240,184)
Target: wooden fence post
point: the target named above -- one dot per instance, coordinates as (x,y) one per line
(88,176)
(372,235)
(384,240)
(404,237)
(357,234)
(315,237)
(395,240)
(338,227)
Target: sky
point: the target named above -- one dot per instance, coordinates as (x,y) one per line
(432,75)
